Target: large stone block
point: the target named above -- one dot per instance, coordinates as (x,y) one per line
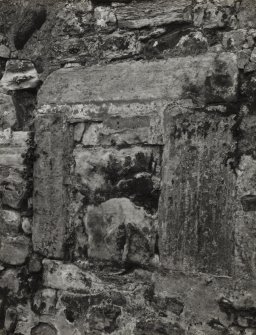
(174,78)
(50,186)
(198,198)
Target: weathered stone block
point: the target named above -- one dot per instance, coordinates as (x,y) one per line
(50,189)
(198,197)
(174,78)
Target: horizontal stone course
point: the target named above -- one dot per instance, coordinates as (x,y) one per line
(204,77)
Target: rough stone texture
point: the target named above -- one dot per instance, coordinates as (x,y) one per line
(7,112)
(198,194)
(50,170)
(127,167)
(121,232)
(14,250)
(66,277)
(13,184)
(172,79)
(148,14)
(10,222)
(19,75)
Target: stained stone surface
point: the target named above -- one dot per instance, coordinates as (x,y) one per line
(127,167)
(198,194)
(211,74)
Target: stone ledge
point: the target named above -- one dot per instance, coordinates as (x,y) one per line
(210,77)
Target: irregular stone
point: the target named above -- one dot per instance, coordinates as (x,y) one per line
(69,277)
(104,16)
(14,250)
(120,45)
(10,222)
(7,112)
(103,319)
(192,44)
(194,161)
(234,39)
(210,15)
(91,134)
(9,279)
(243,57)
(149,14)
(44,302)
(173,79)
(44,329)
(26,225)
(4,51)
(14,189)
(250,67)
(121,232)
(35,264)
(10,319)
(19,75)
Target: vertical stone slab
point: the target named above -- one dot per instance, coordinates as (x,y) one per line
(198,194)
(50,189)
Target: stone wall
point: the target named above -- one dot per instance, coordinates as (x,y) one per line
(127,167)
